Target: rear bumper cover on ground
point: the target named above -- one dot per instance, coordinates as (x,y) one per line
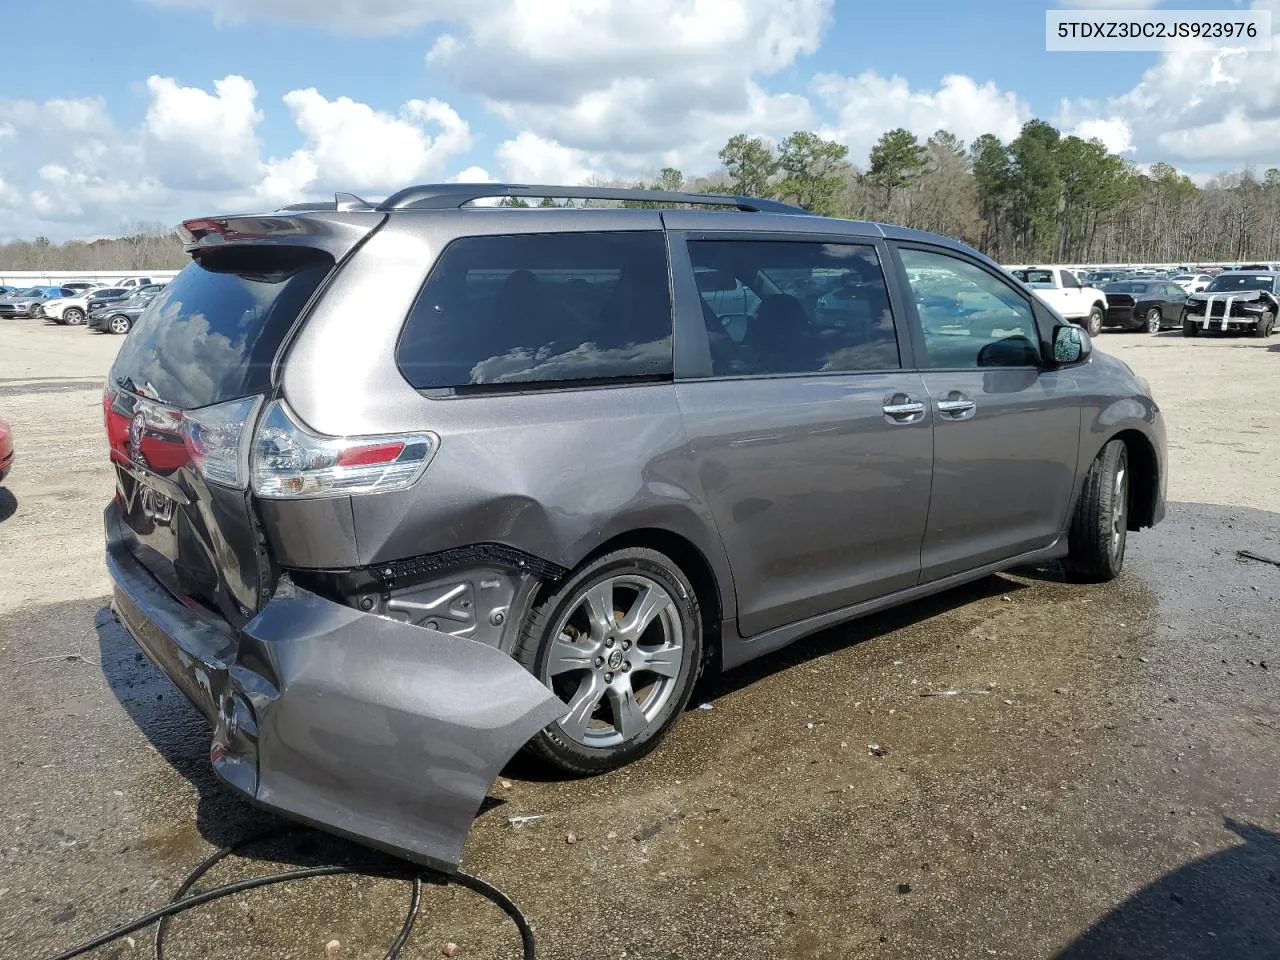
(377,730)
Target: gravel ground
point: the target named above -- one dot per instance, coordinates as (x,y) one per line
(1110,793)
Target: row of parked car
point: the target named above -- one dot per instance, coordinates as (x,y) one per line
(1242,299)
(111,309)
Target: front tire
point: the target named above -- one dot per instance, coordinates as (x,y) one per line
(1153,320)
(1094,321)
(1100,526)
(620,642)
(1189,329)
(73,316)
(119,324)
(1266,323)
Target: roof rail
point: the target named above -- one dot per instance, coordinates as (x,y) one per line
(340,201)
(448,196)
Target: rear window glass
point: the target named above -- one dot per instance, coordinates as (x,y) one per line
(1122,287)
(212,333)
(1032,277)
(541,308)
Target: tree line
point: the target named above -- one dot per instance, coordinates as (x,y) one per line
(145,247)
(1042,197)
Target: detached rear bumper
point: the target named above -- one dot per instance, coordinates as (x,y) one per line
(387,733)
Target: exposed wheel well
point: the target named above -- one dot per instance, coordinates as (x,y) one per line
(695,566)
(1144,489)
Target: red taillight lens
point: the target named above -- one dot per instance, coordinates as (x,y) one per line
(371,454)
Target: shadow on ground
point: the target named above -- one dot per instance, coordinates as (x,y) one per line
(1222,907)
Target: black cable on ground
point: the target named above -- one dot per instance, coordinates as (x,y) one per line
(182,902)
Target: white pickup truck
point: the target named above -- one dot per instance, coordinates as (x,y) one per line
(1062,290)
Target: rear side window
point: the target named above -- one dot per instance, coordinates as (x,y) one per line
(778,307)
(213,332)
(541,308)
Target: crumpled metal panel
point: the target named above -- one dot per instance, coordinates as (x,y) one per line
(383,731)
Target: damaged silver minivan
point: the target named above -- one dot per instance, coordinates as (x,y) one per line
(404,487)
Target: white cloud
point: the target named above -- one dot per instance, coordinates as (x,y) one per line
(195,139)
(1114,132)
(66,170)
(1217,107)
(530,158)
(638,85)
(350,146)
(642,83)
(869,104)
(1085,119)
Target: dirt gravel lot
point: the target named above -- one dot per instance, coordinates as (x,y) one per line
(1112,795)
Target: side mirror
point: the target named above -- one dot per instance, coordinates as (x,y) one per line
(1071,344)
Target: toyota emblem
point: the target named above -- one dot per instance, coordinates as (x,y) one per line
(137,429)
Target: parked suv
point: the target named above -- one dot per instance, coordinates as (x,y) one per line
(402,488)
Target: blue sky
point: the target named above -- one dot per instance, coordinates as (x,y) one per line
(158,109)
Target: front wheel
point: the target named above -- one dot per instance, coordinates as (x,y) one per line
(119,324)
(1153,320)
(620,643)
(73,316)
(1189,328)
(1100,527)
(1266,323)
(1094,322)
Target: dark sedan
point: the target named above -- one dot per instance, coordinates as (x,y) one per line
(108,295)
(119,316)
(1150,305)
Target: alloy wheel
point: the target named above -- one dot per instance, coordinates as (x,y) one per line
(73,316)
(1153,320)
(616,658)
(119,324)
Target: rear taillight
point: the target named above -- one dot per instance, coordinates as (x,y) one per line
(218,438)
(290,461)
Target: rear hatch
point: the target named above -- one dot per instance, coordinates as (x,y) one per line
(179,406)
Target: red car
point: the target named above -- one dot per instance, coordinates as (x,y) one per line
(6,450)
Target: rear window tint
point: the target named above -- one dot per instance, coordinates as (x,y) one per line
(541,308)
(213,332)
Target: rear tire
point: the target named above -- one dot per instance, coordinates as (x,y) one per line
(1094,321)
(618,711)
(1189,329)
(1099,528)
(1154,320)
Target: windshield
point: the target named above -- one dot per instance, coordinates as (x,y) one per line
(1241,281)
(29,292)
(110,292)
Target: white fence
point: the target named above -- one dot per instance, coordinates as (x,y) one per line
(52,278)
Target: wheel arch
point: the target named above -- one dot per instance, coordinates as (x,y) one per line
(1144,488)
